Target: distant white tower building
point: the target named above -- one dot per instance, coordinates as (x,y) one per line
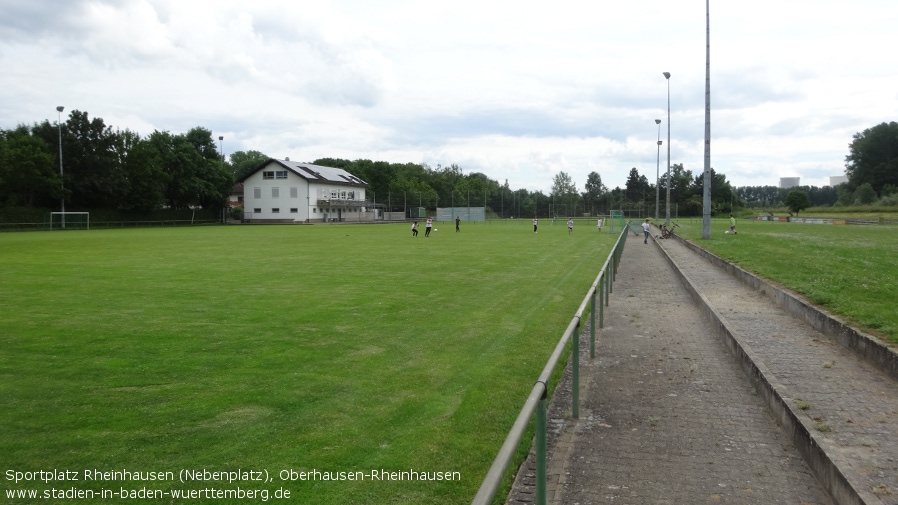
(790,182)
(838,179)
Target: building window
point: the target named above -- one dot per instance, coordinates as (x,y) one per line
(275,210)
(240,199)
(275,192)
(268,175)
(294,210)
(280,174)
(257,193)
(294,192)
(314,210)
(257,211)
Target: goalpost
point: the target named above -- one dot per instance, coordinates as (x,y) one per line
(618,220)
(70,220)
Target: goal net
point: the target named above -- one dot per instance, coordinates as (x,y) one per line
(70,220)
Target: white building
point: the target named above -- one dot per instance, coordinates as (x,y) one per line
(287,191)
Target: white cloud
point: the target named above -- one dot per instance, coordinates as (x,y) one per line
(123,35)
(517,90)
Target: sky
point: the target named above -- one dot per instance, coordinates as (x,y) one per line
(517,90)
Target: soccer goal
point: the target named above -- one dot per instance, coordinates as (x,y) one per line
(70,220)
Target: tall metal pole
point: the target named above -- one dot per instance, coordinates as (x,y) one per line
(658,171)
(706,193)
(59,110)
(667,204)
(227,205)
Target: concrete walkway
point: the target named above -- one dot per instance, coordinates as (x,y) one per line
(704,391)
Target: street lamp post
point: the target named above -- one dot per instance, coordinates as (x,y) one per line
(59,110)
(667,204)
(658,171)
(225,208)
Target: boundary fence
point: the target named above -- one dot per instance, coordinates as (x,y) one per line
(537,401)
(99,225)
(464,213)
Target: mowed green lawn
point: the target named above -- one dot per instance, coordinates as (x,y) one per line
(850,270)
(346,348)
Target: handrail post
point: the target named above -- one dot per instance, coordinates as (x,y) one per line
(608,282)
(592,333)
(613,271)
(602,301)
(575,372)
(610,277)
(541,452)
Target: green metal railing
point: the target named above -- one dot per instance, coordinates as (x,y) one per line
(537,401)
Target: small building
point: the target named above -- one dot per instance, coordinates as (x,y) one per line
(288,191)
(236,198)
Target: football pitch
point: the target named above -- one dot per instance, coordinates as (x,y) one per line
(296,364)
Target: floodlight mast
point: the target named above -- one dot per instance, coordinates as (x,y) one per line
(706,190)
(667,204)
(59,110)
(658,171)
(224,207)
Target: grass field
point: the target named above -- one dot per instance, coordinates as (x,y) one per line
(348,348)
(849,270)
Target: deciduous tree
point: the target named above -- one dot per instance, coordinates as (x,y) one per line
(594,190)
(873,157)
(242,162)
(29,175)
(797,200)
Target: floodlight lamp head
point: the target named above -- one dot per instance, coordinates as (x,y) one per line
(667,75)
(657,121)
(659,142)
(220,137)
(60,108)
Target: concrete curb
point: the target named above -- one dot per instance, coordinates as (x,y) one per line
(811,448)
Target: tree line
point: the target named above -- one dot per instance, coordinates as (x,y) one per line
(106,168)
(103,168)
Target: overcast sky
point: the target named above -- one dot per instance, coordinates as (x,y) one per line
(518,90)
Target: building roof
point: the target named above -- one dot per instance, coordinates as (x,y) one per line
(312,173)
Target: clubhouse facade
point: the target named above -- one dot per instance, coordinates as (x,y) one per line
(288,191)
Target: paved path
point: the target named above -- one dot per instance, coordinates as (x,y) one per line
(669,417)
